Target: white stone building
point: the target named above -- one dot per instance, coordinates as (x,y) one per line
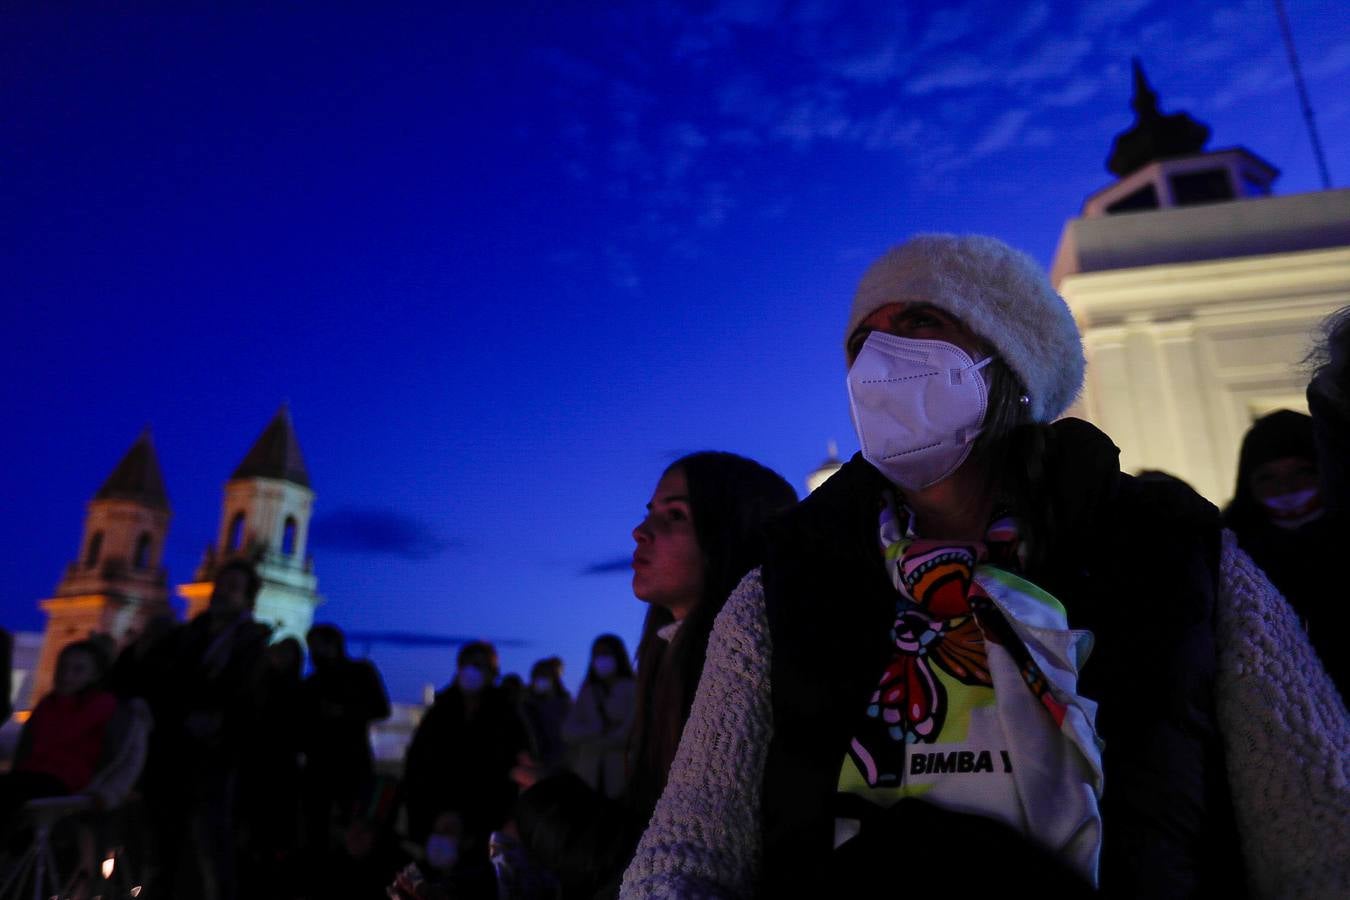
(1199,295)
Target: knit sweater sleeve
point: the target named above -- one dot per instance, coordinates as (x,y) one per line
(704,838)
(1286,738)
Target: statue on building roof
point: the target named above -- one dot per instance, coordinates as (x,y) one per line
(1153,136)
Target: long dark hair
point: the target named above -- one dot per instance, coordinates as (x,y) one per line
(1013,448)
(730,499)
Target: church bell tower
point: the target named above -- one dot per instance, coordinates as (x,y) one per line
(117,583)
(265,517)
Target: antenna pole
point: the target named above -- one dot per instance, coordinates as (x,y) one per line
(1303,100)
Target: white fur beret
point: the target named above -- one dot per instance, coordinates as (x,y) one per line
(1000,293)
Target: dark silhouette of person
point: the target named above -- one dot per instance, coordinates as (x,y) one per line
(461,756)
(545,708)
(6,664)
(62,745)
(1280,516)
(205,710)
(269,785)
(339,701)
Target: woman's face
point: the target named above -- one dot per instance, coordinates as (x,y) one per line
(1283,476)
(75,671)
(917,320)
(668,568)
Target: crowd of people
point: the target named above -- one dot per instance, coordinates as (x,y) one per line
(980,655)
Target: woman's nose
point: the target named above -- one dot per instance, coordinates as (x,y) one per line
(640,532)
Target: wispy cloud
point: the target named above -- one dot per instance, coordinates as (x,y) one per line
(377,531)
(952,74)
(945,89)
(1054,58)
(609,566)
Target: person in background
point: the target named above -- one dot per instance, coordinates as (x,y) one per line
(601,720)
(338,702)
(368,856)
(6,674)
(461,755)
(512,687)
(1281,521)
(63,741)
(1329,405)
(906,696)
(205,710)
(702,532)
(269,782)
(545,708)
(140,668)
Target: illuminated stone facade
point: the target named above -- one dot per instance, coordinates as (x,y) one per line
(265,517)
(117,582)
(1196,318)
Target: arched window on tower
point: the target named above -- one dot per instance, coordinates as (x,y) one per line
(288,537)
(236,538)
(94,549)
(142,558)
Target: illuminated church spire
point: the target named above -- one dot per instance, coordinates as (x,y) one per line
(117,582)
(265,516)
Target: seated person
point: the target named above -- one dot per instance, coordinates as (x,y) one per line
(62,743)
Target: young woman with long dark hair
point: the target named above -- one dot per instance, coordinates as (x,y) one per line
(598,725)
(701,534)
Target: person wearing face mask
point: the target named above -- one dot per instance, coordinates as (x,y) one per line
(545,707)
(1280,519)
(460,757)
(598,727)
(980,655)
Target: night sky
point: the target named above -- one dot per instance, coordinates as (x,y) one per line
(507,261)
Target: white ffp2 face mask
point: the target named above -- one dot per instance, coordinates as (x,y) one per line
(917,406)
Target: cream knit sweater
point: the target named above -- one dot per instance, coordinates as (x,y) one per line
(1285,729)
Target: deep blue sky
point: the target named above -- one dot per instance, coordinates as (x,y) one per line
(507,261)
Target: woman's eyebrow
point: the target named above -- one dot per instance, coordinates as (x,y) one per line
(672,498)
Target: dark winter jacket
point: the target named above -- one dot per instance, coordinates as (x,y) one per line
(1136,563)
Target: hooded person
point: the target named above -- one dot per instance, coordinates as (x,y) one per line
(1280,516)
(980,654)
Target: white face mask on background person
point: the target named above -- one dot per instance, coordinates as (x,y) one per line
(917,405)
(442,851)
(1294,509)
(471,679)
(604,666)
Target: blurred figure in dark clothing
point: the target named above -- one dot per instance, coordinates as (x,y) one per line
(461,754)
(544,709)
(6,664)
(365,860)
(205,711)
(1329,403)
(64,742)
(1280,519)
(269,786)
(140,667)
(339,701)
(513,689)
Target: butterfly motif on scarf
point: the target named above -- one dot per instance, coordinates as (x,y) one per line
(933,627)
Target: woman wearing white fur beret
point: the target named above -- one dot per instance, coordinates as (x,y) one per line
(980,656)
